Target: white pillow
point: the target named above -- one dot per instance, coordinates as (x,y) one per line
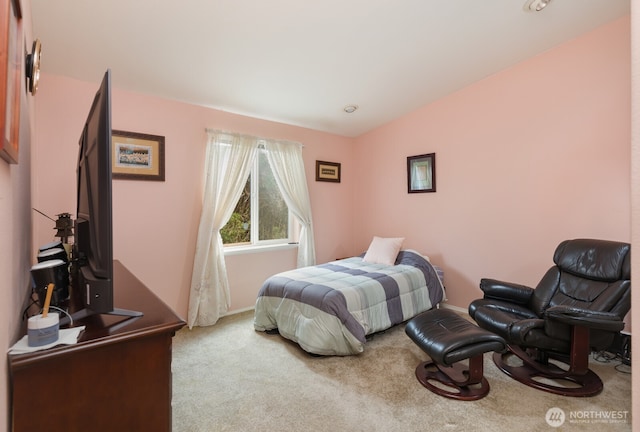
(383,250)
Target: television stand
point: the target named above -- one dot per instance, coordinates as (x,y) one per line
(113,379)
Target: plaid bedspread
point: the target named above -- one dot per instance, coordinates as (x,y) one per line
(329,309)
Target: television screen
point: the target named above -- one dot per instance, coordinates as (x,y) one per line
(93,249)
(94,237)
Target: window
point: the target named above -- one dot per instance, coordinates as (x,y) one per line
(261,216)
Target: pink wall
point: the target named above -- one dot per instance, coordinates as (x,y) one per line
(15,229)
(156,223)
(635,199)
(525,158)
(528,157)
(467,226)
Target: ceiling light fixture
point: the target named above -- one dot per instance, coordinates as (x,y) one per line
(536,5)
(350,108)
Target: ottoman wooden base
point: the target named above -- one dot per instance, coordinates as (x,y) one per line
(450,339)
(455,381)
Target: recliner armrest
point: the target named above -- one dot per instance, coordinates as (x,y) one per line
(596,320)
(496,289)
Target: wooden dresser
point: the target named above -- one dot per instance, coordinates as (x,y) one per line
(116,378)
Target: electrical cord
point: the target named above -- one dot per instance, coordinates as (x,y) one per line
(25,313)
(64,312)
(35,302)
(607,357)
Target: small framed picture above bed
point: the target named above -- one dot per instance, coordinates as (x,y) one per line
(421,173)
(328,171)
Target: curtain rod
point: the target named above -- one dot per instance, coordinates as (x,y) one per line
(210,130)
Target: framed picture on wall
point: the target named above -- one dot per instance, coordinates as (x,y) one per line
(137,156)
(10,78)
(421,173)
(327,171)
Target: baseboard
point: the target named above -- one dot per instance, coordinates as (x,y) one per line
(454,308)
(239,311)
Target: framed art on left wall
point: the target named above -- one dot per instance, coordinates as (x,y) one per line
(137,156)
(10,78)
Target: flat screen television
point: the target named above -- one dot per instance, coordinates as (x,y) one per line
(93,248)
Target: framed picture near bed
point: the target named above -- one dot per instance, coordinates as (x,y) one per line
(328,171)
(421,173)
(137,156)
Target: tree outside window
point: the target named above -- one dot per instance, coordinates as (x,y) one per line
(261,215)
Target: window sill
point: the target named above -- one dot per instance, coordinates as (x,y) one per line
(240,250)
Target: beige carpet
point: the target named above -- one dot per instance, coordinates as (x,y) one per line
(229,377)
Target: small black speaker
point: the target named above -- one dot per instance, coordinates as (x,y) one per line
(54,271)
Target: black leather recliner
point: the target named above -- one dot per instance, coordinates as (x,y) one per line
(577,307)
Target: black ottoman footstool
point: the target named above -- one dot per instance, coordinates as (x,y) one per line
(448,338)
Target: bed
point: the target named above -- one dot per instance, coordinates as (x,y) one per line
(330,309)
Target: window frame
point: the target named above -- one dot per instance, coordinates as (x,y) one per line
(259,245)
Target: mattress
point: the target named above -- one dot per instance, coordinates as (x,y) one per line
(329,309)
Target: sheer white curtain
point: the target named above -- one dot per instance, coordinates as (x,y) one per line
(285,159)
(228,163)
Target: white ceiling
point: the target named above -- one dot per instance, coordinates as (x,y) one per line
(301,61)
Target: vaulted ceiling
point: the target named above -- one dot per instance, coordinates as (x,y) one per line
(301,62)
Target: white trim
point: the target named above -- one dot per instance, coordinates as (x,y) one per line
(239,311)
(240,250)
(455,308)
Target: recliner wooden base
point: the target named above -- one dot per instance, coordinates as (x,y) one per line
(537,375)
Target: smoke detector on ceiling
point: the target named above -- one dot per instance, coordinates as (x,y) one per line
(536,5)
